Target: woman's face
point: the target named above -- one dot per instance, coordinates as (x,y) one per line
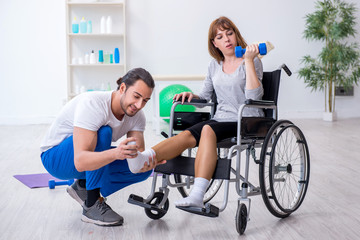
(225,41)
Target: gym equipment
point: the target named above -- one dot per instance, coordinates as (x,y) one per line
(239,51)
(284,163)
(37,180)
(53,183)
(166,96)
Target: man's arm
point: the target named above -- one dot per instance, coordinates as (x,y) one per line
(139,136)
(85,159)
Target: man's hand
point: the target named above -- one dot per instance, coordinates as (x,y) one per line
(152,164)
(124,151)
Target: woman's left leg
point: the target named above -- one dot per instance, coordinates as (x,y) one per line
(206,156)
(206,159)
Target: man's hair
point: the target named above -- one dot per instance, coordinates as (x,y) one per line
(134,75)
(222,23)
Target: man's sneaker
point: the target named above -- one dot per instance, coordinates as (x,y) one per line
(101,214)
(76,192)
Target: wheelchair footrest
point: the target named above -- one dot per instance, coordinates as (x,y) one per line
(209,210)
(137,200)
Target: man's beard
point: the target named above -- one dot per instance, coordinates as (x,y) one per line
(124,108)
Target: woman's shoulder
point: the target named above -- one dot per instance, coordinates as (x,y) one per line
(214,65)
(257,60)
(214,62)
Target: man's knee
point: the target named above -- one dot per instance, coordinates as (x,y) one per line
(104,138)
(105,131)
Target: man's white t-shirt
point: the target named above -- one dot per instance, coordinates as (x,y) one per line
(90,110)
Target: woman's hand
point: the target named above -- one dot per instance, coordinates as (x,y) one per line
(183,96)
(251,52)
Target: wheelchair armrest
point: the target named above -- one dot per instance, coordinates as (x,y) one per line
(259,102)
(199,103)
(194,100)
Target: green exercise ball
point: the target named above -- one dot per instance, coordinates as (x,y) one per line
(166,100)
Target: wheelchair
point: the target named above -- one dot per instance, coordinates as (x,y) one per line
(284,161)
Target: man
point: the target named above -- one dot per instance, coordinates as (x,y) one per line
(78,145)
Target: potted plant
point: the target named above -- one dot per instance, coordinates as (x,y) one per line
(338,62)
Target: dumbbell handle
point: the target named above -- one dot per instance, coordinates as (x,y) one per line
(239,51)
(53,183)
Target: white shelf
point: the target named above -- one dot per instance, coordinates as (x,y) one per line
(97,65)
(89,35)
(96,3)
(75,94)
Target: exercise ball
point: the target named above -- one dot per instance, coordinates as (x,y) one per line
(166,100)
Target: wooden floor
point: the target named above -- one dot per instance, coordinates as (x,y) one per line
(331,209)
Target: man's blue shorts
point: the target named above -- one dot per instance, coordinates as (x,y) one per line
(59,162)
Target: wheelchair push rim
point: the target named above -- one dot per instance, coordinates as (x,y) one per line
(284,169)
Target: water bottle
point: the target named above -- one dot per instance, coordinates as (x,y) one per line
(108,25)
(75,26)
(116,55)
(83,26)
(89,27)
(102,25)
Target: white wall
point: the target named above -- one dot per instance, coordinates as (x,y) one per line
(164,36)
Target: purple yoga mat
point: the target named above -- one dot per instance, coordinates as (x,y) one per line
(36,180)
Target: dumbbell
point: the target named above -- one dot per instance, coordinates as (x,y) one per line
(239,51)
(53,183)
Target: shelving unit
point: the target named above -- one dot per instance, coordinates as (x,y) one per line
(88,77)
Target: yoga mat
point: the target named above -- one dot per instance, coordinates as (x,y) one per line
(36,180)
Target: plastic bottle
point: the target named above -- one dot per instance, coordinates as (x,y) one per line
(109,25)
(102,87)
(111,58)
(89,27)
(83,25)
(102,25)
(116,55)
(92,57)
(106,57)
(75,26)
(82,89)
(101,56)
(87,58)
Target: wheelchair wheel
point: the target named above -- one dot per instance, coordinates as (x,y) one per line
(284,168)
(241,218)
(155,201)
(211,191)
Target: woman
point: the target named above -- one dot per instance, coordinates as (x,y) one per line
(234,80)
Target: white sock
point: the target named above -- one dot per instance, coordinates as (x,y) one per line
(135,164)
(196,196)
